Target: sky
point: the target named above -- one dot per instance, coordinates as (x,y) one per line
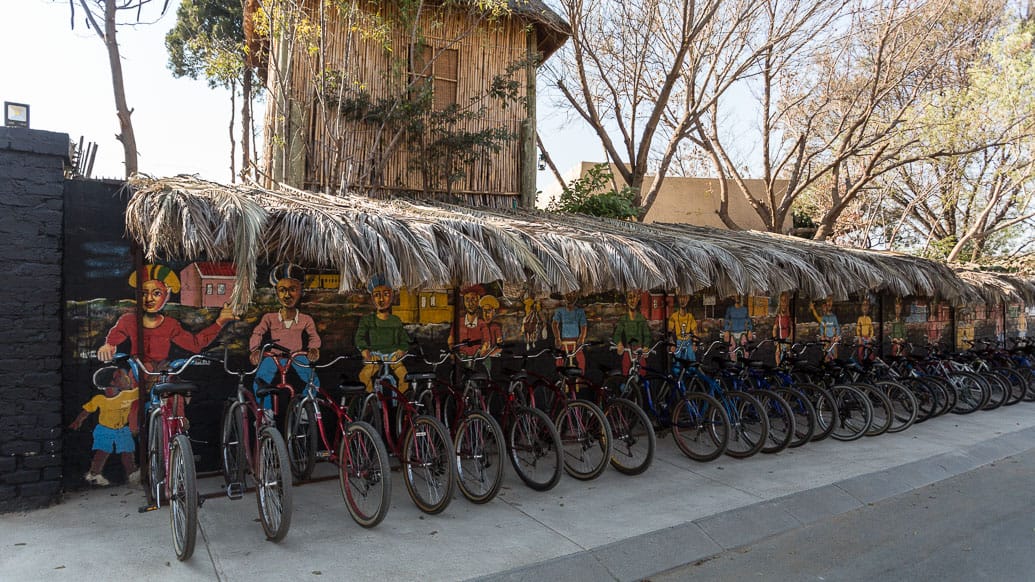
(181,125)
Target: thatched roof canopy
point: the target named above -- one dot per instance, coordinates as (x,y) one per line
(426,244)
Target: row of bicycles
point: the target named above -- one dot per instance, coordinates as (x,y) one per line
(445,431)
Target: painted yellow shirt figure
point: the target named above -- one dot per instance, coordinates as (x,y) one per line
(682,325)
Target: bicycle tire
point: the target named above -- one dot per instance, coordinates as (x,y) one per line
(232,445)
(479,448)
(428,455)
(1017,383)
(273,484)
(301,436)
(971,392)
(804,415)
(826,411)
(947,394)
(749,424)
(155,458)
(370,413)
(1029,378)
(183,497)
(904,406)
(999,390)
(700,427)
(632,437)
(926,396)
(854,412)
(585,439)
(883,414)
(534,448)
(364,475)
(781,421)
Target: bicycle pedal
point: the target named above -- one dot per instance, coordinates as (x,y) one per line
(323,455)
(146,508)
(235,490)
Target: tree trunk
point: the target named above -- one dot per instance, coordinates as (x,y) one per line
(246,121)
(127,137)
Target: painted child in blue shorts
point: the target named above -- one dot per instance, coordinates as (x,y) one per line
(116,426)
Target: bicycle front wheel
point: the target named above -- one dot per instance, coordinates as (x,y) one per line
(232,445)
(535,448)
(854,412)
(585,439)
(156,448)
(301,436)
(479,468)
(749,424)
(428,465)
(633,439)
(700,427)
(363,474)
(273,484)
(183,497)
(781,421)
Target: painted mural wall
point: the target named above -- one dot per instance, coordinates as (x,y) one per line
(182,312)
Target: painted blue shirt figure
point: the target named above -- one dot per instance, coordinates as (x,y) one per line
(569,329)
(829,328)
(736,324)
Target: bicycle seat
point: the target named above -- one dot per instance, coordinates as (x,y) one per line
(266,390)
(477,376)
(170,388)
(570,371)
(421,376)
(515,374)
(347,388)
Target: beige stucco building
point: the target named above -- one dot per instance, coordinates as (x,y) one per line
(696,200)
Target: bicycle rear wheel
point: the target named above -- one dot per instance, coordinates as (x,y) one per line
(273,484)
(183,497)
(428,465)
(363,474)
(781,421)
(301,435)
(883,411)
(585,439)
(971,392)
(804,415)
(534,448)
(632,435)
(904,406)
(854,412)
(700,427)
(749,424)
(479,468)
(155,458)
(232,445)
(826,410)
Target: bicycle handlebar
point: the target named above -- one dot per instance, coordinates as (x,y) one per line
(139,365)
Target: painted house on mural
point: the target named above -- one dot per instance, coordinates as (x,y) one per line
(341,113)
(206,284)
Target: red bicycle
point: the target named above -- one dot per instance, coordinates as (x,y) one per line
(477,437)
(352,445)
(251,444)
(169,472)
(419,441)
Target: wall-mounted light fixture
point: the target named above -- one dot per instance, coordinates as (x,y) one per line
(16,114)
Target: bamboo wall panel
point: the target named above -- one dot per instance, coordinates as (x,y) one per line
(339,152)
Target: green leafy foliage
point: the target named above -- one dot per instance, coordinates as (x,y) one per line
(595,195)
(207,41)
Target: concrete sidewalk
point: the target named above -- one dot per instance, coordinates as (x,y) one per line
(614,527)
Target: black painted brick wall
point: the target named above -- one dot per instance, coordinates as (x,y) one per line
(31,204)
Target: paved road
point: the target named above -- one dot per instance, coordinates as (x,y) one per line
(612,528)
(976,526)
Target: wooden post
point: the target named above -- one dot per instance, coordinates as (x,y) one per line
(529,160)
